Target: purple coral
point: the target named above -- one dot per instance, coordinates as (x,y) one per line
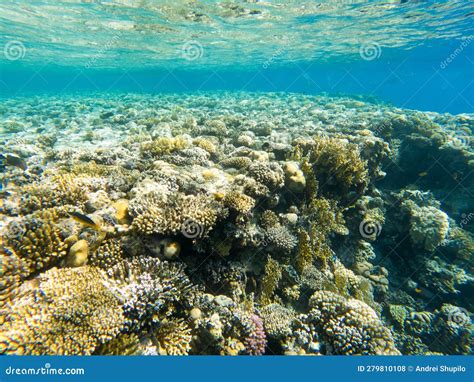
(256,341)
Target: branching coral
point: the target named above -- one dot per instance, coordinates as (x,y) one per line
(173,337)
(152,290)
(38,241)
(164,145)
(270,280)
(239,202)
(12,272)
(63,311)
(350,326)
(108,254)
(53,191)
(277,320)
(123,344)
(194,216)
(269,174)
(338,167)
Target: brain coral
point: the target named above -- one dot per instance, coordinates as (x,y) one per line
(350,326)
(62,312)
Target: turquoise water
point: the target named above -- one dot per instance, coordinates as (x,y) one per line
(395,51)
(236,177)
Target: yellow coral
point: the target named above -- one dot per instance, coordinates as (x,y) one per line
(270,280)
(173,337)
(40,244)
(62,312)
(55,190)
(337,166)
(239,202)
(205,144)
(164,145)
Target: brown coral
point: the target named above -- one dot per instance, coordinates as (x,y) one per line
(193,216)
(62,312)
(39,242)
(350,326)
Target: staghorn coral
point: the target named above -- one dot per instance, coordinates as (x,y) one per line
(194,216)
(63,312)
(38,240)
(349,326)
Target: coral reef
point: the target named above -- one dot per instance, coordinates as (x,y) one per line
(234,224)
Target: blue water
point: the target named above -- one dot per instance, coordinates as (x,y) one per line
(422,53)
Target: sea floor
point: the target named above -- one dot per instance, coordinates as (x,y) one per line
(234,223)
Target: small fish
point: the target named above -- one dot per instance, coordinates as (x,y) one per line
(418,290)
(13,160)
(84,219)
(422,174)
